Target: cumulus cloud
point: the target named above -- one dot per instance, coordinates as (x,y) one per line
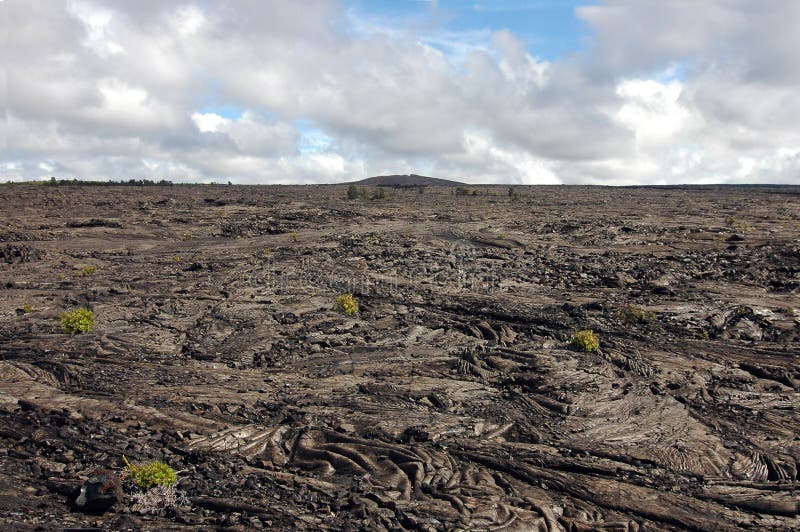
(313,91)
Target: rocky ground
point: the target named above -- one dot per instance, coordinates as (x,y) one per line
(452,401)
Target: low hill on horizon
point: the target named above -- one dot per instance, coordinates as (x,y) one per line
(409,180)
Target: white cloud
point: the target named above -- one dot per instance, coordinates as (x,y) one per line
(97,21)
(121,88)
(188,20)
(780,165)
(210,122)
(685,161)
(652,110)
(119,97)
(517,65)
(491,162)
(249,133)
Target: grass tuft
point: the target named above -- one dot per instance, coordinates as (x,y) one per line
(586,340)
(347,304)
(150,475)
(77,321)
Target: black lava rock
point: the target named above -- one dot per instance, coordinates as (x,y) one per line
(99,493)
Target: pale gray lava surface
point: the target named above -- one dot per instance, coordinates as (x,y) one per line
(452,401)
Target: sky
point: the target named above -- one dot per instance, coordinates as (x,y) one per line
(613,92)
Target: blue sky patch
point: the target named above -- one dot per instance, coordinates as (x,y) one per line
(312,139)
(231,112)
(549,28)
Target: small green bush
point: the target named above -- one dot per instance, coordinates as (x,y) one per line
(86,271)
(586,340)
(27,308)
(737,225)
(380,194)
(631,314)
(76,321)
(150,475)
(354,192)
(347,304)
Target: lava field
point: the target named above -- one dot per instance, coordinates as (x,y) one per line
(454,399)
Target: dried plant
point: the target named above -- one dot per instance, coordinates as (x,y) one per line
(158,499)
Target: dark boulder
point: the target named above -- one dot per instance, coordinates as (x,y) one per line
(99,493)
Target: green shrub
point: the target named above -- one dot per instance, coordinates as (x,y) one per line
(354,192)
(380,194)
(25,309)
(347,304)
(631,314)
(513,194)
(76,321)
(85,271)
(586,340)
(150,475)
(737,225)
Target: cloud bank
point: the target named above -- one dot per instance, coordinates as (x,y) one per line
(314,91)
